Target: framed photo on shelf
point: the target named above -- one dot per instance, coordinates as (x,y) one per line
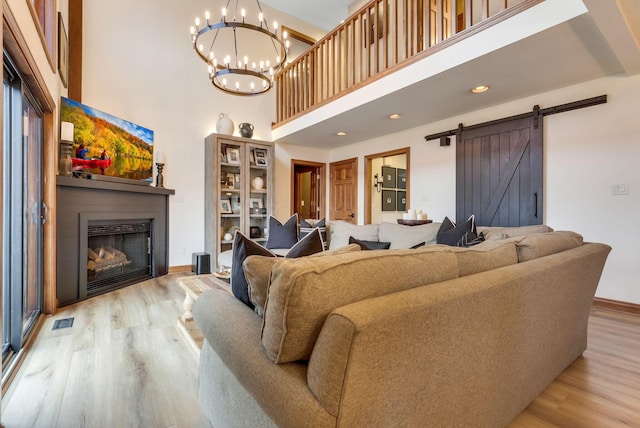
(236,181)
(225,206)
(261,157)
(388,200)
(233,155)
(402,179)
(402,201)
(255,204)
(388,177)
(230,182)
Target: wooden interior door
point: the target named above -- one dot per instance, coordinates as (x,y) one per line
(499,172)
(344,190)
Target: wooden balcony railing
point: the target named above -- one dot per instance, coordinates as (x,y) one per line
(381,37)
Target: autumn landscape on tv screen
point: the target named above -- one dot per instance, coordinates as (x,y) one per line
(129,146)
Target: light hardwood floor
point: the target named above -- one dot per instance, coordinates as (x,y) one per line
(124,364)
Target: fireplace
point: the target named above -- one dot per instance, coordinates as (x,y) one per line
(108,235)
(118,253)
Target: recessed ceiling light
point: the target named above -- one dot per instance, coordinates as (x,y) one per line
(341,134)
(480,89)
(395,116)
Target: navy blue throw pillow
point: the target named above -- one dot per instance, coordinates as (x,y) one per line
(451,234)
(310,244)
(244,247)
(283,235)
(370,245)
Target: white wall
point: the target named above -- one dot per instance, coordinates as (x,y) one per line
(138,64)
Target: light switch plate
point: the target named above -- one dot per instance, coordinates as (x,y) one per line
(620,189)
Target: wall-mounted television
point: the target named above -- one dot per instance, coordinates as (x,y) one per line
(98,136)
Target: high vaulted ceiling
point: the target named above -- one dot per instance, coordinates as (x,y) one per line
(596,38)
(325,14)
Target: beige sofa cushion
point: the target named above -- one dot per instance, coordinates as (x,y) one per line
(510,232)
(485,256)
(304,291)
(257,271)
(539,245)
(339,232)
(402,236)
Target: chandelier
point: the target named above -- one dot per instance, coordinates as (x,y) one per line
(242,58)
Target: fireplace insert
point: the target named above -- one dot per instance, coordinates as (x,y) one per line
(118,253)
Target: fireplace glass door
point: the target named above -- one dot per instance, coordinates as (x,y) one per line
(117,254)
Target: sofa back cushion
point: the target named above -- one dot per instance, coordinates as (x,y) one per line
(257,271)
(304,291)
(491,232)
(339,232)
(402,236)
(543,244)
(485,256)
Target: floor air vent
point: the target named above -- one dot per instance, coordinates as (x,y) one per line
(62,323)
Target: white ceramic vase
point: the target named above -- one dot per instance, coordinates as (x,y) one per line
(257,183)
(224,125)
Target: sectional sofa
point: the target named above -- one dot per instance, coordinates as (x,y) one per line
(433,336)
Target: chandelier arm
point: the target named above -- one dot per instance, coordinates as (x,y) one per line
(266,23)
(235,43)
(215,37)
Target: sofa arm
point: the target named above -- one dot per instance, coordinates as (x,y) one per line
(472,351)
(232,330)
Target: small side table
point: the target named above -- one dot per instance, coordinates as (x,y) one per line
(194,286)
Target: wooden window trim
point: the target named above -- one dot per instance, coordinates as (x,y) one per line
(44,17)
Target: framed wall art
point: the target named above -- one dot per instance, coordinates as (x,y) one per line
(389,200)
(402,201)
(63,52)
(388,177)
(402,178)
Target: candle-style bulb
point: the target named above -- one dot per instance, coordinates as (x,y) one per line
(252,86)
(260,18)
(237,86)
(193,30)
(207,15)
(197,21)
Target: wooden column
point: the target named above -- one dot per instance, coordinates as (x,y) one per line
(75,50)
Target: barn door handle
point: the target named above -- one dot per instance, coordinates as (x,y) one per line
(535,205)
(352,215)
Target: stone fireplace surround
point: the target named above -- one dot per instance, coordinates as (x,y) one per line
(81,201)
